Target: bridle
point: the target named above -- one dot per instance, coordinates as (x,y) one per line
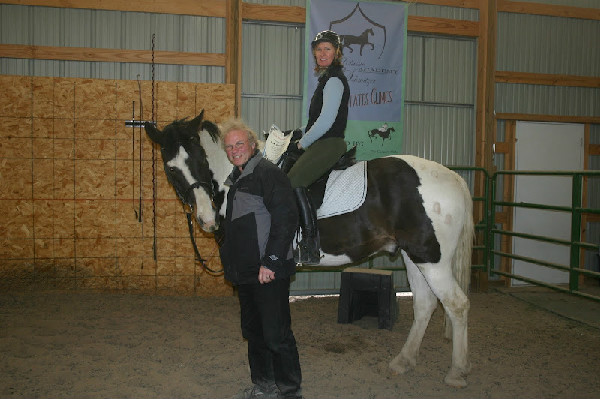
(188,209)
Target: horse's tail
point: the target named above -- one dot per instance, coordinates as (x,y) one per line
(461,262)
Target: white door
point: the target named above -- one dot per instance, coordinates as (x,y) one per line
(545,146)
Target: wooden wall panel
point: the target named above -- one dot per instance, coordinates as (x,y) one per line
(43,98)
(43,221)
(16,97)
(42,148)
(62,128)
(13,127)
(64,177)
(166,102)
(15,219)
(16,178)
(15,147)
(63,253)
(70,188)
(95,99)
(63,100)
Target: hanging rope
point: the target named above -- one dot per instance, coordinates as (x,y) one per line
(141,158)
(133,161)
(154,187)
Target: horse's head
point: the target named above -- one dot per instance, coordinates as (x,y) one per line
(187,167)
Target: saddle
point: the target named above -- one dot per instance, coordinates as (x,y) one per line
(316,190)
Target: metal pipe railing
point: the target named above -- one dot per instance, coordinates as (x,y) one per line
(575,244)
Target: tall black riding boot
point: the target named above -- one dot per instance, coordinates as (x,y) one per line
(307,252)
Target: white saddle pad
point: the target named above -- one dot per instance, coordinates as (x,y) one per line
(345,191)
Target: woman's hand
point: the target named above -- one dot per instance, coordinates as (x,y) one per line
(265,275)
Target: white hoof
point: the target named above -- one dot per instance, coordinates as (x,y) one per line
(401,365)
(455,379)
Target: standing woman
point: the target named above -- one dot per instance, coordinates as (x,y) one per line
(322,141)
(256,253)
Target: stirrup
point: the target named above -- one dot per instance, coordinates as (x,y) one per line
(305,256)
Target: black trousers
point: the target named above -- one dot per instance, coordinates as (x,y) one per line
(266,324)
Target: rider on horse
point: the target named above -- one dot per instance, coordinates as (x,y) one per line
(322,143)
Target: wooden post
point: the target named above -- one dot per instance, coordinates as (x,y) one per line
(485,125)
(233,62)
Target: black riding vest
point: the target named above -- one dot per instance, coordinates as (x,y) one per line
(316,103)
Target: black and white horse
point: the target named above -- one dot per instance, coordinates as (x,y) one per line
(413,206)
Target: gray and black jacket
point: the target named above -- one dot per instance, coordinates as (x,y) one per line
(260,222)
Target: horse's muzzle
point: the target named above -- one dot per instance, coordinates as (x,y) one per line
(208,227)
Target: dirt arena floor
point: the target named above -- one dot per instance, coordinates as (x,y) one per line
(98,345)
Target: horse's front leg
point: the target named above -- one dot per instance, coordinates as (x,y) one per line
(424,303)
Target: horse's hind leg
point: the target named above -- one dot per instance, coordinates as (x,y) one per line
(456,305)
(424,303)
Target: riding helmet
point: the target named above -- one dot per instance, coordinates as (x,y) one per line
(327,36)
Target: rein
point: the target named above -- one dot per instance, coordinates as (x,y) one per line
(199,257)
(188,209)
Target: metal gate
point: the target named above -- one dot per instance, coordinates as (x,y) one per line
(580,216)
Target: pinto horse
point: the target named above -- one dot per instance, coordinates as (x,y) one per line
(413,206)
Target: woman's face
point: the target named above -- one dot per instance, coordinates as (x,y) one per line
(324,54)
(237,147)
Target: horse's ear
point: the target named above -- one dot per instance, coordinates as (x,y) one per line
(154,134)
(195,123)
(212,129)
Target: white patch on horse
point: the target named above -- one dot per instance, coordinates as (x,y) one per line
(334,260)
(218,164)
(436,179)
(204,212)
(179,163)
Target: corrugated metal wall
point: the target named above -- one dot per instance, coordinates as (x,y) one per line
(272,67)
(46,26)
(541,44)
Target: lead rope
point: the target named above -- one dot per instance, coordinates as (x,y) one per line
(199,257)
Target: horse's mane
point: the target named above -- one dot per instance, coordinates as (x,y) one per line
(183,125)
(212,129)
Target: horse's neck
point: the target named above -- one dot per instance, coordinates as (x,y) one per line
(218,163)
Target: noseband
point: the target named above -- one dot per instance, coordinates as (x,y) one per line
(186,196)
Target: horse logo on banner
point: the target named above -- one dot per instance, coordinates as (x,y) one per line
(384,132)
(357,18)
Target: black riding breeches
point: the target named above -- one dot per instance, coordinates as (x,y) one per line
(321,156)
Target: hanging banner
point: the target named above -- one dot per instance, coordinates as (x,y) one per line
(373,38)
